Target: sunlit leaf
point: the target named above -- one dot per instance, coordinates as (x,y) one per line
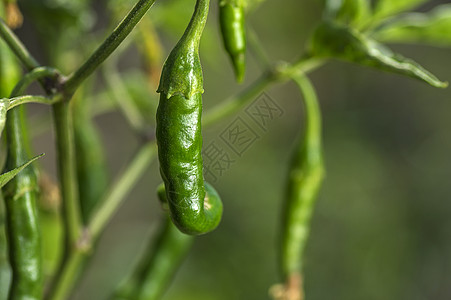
(353,12)
(386,8)
(6,177)
(3,110)
(344,43)
(251,4)
(431,28)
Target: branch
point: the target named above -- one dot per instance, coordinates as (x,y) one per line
(68,273)
(108,46)
(280,73)
(17,47)
(114,197)
(16,101)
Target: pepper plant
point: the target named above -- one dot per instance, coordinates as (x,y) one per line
(34,263)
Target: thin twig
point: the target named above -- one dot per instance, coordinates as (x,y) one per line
(257,48)
(17,47)
(115,196)
(108,46)
(122,97)
(16,101)
(280,73)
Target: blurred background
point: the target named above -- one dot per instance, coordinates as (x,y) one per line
(382,226)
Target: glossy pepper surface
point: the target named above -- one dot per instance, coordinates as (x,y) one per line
(195,207)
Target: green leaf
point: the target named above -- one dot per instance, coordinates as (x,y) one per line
(431,28)
(354,12)
(387,8)
(6,177)
(336,41)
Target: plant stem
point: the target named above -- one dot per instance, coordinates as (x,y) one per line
(13,102)
(69,271)
(35,74)
(67,172)
(257,48)
(67,275)
(22,85)
(120,188)
(279,73)
(17,47)
(69,190)
(109,45)
(122,98)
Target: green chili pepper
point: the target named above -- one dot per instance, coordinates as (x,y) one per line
(232,23)
(5,270)
(21,194)
(9,75)
(195,207)
(304,181)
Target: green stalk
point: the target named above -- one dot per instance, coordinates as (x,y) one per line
(67,172)
(122,98)
(75,258)
(69,191)
(120,188)
(91,166)
(272,76)
(17,47)
(16,101)
(108,46)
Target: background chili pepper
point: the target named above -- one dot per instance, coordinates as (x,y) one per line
(233,29)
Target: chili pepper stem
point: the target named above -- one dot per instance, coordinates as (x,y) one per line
(239,66)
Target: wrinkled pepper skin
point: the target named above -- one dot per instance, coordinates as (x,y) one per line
(232,24)
(194,207)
